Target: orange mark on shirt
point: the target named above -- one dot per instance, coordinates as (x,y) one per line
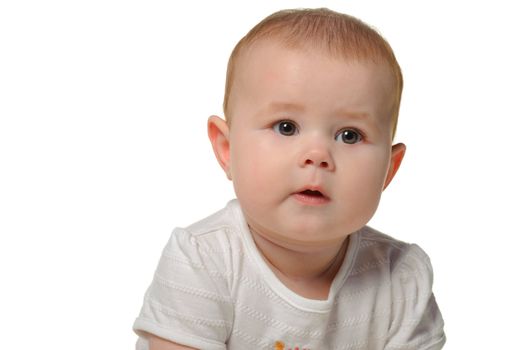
(279,345)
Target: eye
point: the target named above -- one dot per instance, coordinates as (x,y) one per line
(285,127)
(350,136)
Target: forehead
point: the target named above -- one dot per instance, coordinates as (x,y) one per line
(268,72)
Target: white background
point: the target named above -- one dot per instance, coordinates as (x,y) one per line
(103,150)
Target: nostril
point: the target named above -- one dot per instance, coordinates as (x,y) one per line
(322,164)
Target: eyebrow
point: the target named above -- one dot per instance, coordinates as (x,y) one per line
(283,106)
(293,107)
(354,115)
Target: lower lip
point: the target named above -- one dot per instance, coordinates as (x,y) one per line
(310,200)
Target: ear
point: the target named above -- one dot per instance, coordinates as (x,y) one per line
(218,133)
(397,154)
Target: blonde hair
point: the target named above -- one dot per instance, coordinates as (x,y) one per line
(336,33)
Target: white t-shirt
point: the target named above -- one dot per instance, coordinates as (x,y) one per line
(213,290)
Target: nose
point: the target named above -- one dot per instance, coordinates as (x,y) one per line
(319,157)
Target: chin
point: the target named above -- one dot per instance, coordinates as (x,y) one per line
(310,234)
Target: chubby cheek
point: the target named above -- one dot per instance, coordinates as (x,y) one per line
(254,170)
(364,184)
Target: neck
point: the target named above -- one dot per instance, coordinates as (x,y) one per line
(300,265)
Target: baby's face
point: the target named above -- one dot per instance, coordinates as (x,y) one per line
(310,142)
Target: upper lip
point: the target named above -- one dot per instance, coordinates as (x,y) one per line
(313,188)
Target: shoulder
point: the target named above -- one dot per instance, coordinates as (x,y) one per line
(402,269)
(400,256)
(212,244)
(189,300)
(211,234)
(415,321)
(221,219)
(216,225)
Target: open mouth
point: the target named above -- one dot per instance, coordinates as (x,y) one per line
(311,197)
(312,193)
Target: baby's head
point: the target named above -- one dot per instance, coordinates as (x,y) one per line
(311,106)
(334,34)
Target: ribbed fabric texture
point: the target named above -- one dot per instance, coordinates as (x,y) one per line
(213,290)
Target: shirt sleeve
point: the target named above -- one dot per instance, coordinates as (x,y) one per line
(188,301)
(416,323)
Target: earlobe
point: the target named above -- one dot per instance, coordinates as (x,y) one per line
(218,133)
(397,154)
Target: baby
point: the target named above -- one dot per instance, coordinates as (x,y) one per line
(311,106)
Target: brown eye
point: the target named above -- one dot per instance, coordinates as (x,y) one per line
(349,136)
(285,128)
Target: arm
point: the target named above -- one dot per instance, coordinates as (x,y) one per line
(186,303)
(156,343)
(417,322)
